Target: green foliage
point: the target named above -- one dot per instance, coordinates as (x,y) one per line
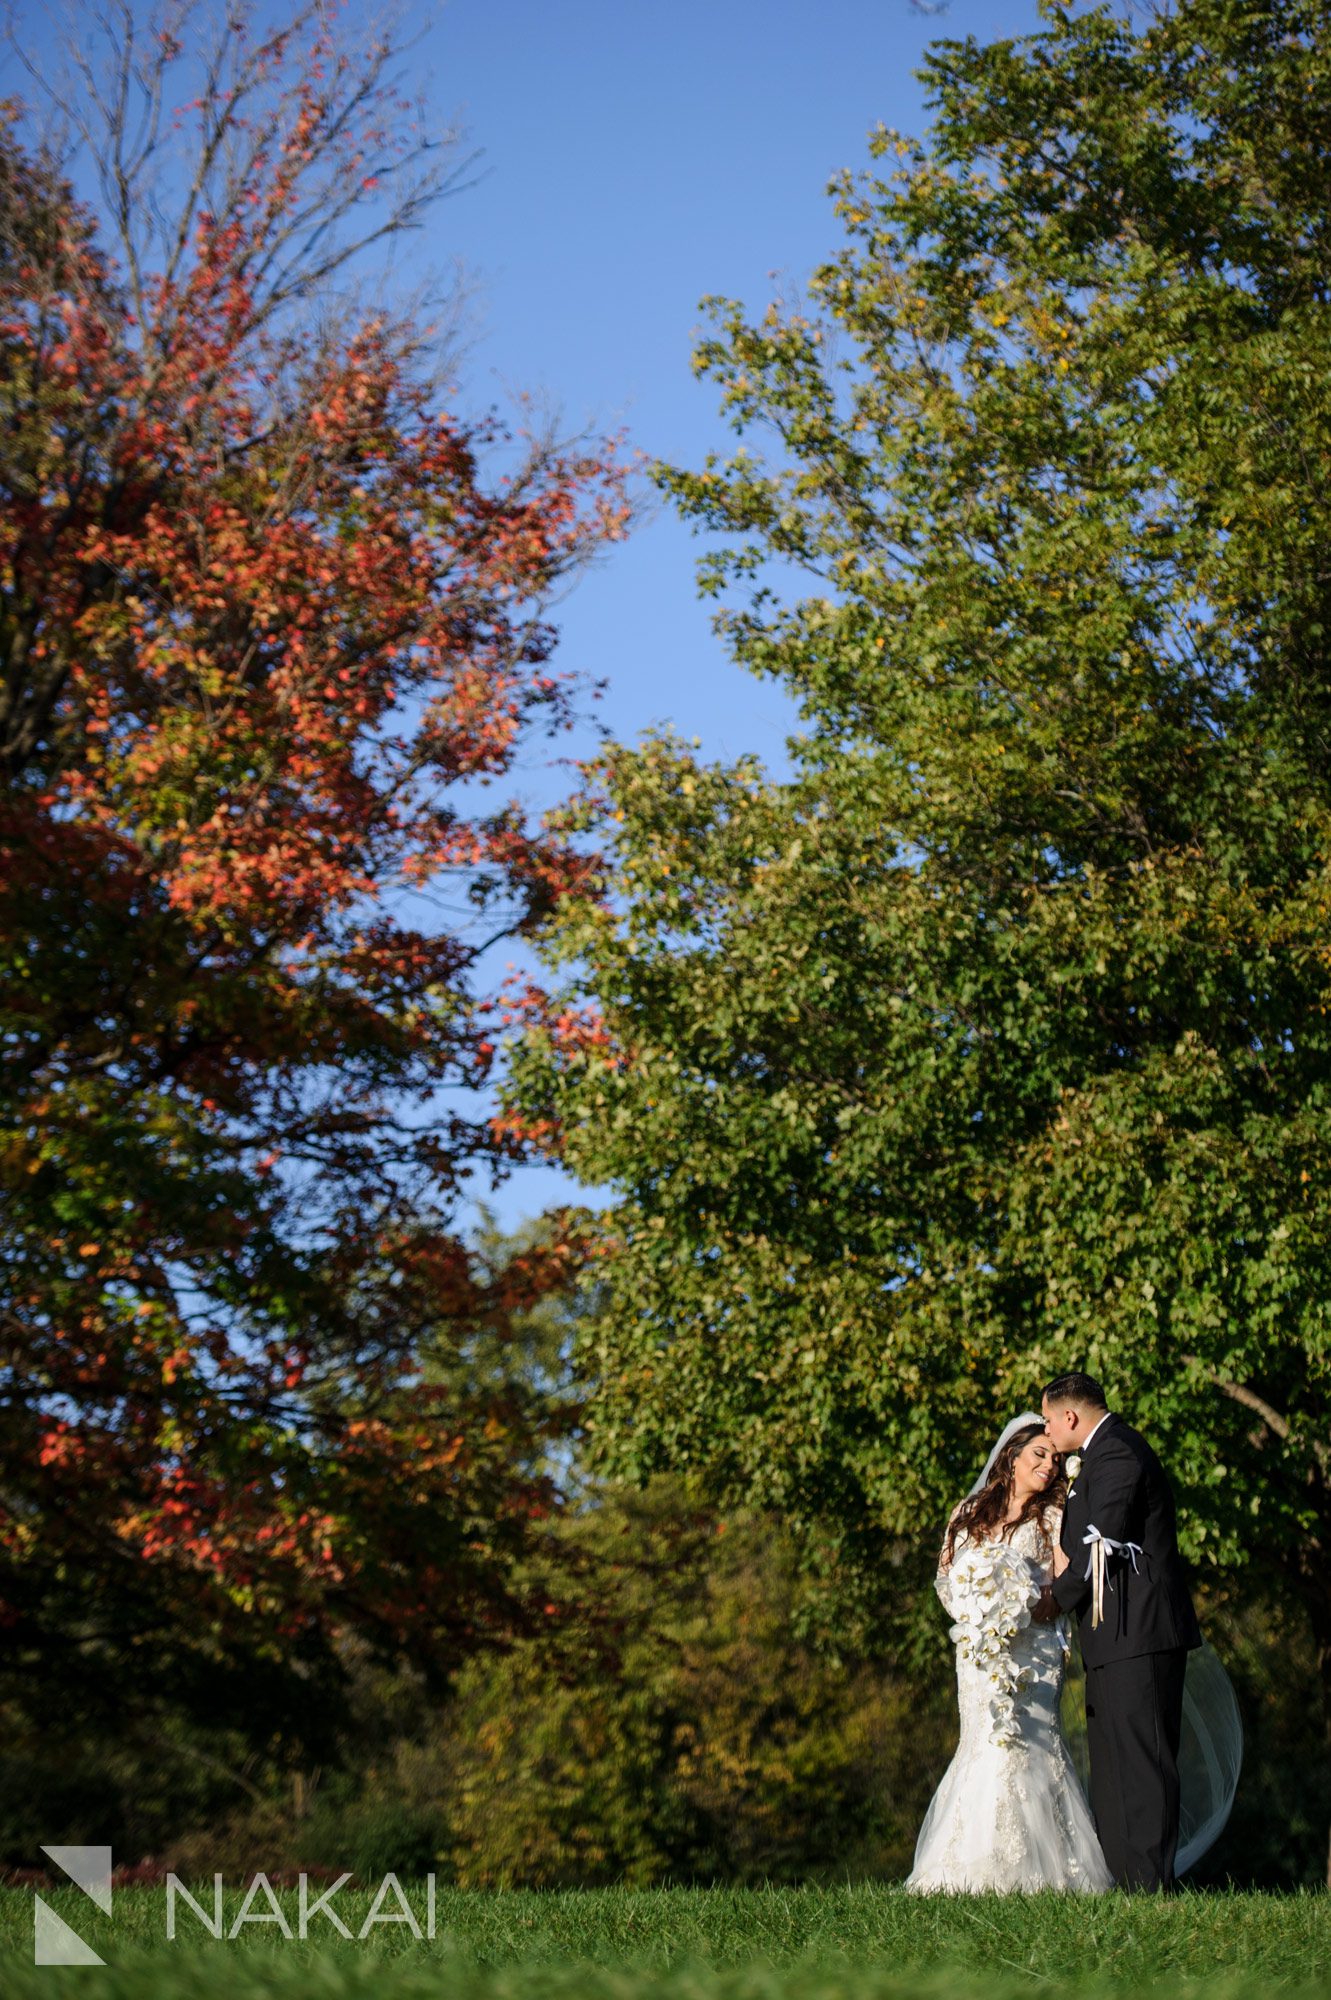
(995,1040)
(666,1723)
(512,1355)
(671,1723)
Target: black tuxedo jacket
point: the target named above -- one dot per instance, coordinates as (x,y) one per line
(1122,1490)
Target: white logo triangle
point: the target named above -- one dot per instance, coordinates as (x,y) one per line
(90,1867)
(54,1943)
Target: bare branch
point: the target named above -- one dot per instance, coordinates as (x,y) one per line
(184,117)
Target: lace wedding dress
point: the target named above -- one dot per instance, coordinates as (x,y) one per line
(1010,1813)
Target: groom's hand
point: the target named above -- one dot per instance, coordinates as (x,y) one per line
(1045,1609)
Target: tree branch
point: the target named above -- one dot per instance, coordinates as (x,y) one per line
(1239,1393)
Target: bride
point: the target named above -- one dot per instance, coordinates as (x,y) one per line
(1010,1813)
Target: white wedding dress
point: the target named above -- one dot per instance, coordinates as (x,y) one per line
(1010,1813)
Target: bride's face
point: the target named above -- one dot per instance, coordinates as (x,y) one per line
(1035,1465)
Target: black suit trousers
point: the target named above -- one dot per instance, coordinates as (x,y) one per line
(1134,1720)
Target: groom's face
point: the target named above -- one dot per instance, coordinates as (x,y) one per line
(1064,1427)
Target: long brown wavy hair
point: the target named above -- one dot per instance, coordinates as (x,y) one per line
(982,1516)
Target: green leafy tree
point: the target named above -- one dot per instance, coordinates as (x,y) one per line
(671,1723)
(996,1037)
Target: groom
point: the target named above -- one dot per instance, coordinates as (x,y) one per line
(1135,1655)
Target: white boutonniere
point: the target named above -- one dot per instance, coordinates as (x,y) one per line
(1072,1464)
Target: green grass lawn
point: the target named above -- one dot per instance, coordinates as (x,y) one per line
(853,1943)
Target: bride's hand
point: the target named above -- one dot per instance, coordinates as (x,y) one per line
(1060,1562)
(1045,1610)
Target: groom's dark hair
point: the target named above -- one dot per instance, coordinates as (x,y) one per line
(1076,1388)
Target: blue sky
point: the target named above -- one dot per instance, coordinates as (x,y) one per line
(635,157)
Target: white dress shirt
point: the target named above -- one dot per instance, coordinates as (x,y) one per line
(1086,1442)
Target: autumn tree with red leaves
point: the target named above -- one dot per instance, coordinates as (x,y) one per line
(268,612)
